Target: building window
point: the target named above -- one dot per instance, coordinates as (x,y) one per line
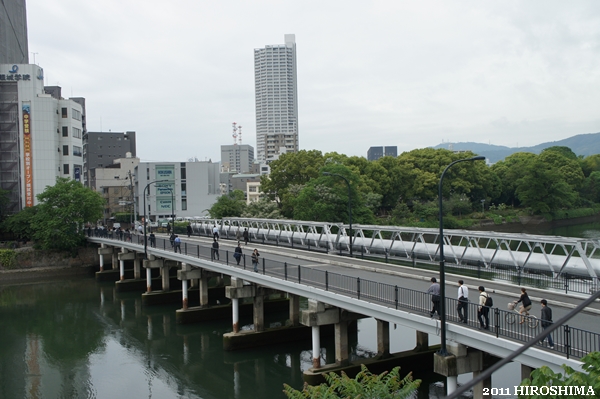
(76,151)
(183,174)
(64,112)
(76,114)
(184,204)
(65,131)
(65,150)
(76,133)
(66,169)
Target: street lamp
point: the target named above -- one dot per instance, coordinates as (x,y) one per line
(349,205)
(147,192)
(443,351)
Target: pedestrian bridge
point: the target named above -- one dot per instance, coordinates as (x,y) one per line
(566,263)
(370,294)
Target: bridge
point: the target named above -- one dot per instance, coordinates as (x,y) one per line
(325,278)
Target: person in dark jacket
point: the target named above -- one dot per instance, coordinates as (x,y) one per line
(189,230)
(246,237)
(214,252)
(525,305)
(546,322)
(238,253)
(483,312)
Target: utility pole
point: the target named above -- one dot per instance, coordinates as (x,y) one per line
(132,216)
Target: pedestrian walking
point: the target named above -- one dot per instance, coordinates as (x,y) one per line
(238,253)
(172,239)
(434,290)
(214,252)
(215,232)
(546,322)
(246,237)
(255,256)
(483,312)
(152,240)
(238,235)
(177,242)
(463,302)
(189,230)
(168,228)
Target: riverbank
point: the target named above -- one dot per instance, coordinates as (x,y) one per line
(533,224)
(30,264)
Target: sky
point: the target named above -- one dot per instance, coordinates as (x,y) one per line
(411,74)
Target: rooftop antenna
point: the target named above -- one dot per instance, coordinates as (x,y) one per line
(240,131)
(235,129)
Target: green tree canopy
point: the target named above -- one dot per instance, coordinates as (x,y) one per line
(229,205)
(62,212)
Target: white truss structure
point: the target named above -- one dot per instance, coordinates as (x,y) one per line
(555,254)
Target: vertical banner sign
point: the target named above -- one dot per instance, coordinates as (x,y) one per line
(27,155)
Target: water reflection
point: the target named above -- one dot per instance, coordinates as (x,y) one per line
(81,339)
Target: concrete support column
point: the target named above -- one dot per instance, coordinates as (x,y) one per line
(341,343)
(122,267)
(383,338)
(148,280)
(235,310)
(316,347)
(478,388)
(204,288)
(258,311)
(451,384)
(164,274)
(294,309)
(422,341)
(114,258)
(101,257)
(137,268)
(184,294)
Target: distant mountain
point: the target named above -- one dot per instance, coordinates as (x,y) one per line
(582,144)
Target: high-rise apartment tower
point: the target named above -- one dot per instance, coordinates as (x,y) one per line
(276,99)
(13,32)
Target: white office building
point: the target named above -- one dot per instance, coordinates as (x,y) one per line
(237,158)
(183,189)
(276,99)
(40,134)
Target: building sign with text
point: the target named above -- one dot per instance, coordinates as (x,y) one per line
(27,155)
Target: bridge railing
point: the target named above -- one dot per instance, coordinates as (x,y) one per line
(570,341)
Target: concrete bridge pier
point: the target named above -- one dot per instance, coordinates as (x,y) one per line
(317,315)
(236,291)
(294,300)
(149,264)
(114,258)
(123,256)
(137,266)
(461,360)
(383,339)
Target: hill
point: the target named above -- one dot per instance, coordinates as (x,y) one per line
(581,144)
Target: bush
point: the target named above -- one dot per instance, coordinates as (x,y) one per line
(7,258)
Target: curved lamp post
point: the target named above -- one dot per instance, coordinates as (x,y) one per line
(349,205)
(443,351)
(147,192)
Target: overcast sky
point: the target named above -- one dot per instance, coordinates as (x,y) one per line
(408,73)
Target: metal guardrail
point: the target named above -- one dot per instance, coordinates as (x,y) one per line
(572,342)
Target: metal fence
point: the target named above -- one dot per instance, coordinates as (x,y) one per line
(570,341)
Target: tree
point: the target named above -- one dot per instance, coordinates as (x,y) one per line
(545,377)
(21,224)
(62,212)
(4,201)
(364,386)
(262,209)
(229,205)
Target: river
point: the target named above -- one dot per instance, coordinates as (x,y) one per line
(79,338)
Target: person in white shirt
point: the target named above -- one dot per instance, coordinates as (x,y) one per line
(463,302)
(215,233)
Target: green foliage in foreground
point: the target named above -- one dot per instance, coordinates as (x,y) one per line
(544,376)
(365,386)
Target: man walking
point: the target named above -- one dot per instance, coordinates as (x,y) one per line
(546,322)
(463,302)
(434,290)
(483,312)
(246,236)
(214,252)
(216,232)
(177,244)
